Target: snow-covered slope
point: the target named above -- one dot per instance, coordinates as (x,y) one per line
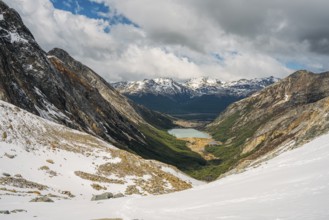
(38,157)
(294,185)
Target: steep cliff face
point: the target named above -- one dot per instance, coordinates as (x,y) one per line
(59,88)
(53,90)
(66,65)
(286,114)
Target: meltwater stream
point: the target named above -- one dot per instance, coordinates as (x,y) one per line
(188,133)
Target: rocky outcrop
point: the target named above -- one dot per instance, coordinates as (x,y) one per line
(106,195)
(286,114)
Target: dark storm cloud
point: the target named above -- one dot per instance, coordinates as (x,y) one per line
(293,21)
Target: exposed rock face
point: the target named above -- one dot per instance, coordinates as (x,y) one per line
(106,195)
(59,88)
(6,212)
(286,114)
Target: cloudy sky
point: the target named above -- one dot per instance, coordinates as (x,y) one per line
(227,39)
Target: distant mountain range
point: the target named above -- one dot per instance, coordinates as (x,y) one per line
(198,98)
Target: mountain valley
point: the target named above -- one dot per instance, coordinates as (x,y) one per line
(75,146)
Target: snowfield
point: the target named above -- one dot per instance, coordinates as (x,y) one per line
(41,158)
(294,185)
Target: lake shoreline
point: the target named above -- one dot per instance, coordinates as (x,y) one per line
(196,140)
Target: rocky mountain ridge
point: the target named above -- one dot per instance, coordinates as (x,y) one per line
(283,115)
(193,87)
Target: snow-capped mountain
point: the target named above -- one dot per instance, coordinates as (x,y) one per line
(152,86)
(199,98)
(194,87)
(201,82)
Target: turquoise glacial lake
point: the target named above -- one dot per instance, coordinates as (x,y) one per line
(188,133)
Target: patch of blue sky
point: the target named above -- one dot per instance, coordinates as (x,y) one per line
(218,57)
(295,65)
(93,10)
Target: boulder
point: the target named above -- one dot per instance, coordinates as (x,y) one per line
(118,195)
(102,196)
(18,210)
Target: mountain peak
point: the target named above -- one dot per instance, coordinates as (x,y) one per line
(301,74)
(162,80)
(196,83)
(58,52)
(12,28)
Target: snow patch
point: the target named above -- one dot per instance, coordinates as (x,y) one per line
(14,37)
(51,111)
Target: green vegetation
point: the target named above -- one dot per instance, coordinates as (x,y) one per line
(44,168)
(223,130)
(166,148)
(156,119)
(4,135)
(232,132)
(233,135)
(227,158)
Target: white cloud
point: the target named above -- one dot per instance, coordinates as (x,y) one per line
(177,38)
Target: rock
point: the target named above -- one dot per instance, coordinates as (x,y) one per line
(6,174)
(10,156)
(6,212)
(18,210)
(18,175)
(68,193)
(118,195)
(103,196)
(42,199)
